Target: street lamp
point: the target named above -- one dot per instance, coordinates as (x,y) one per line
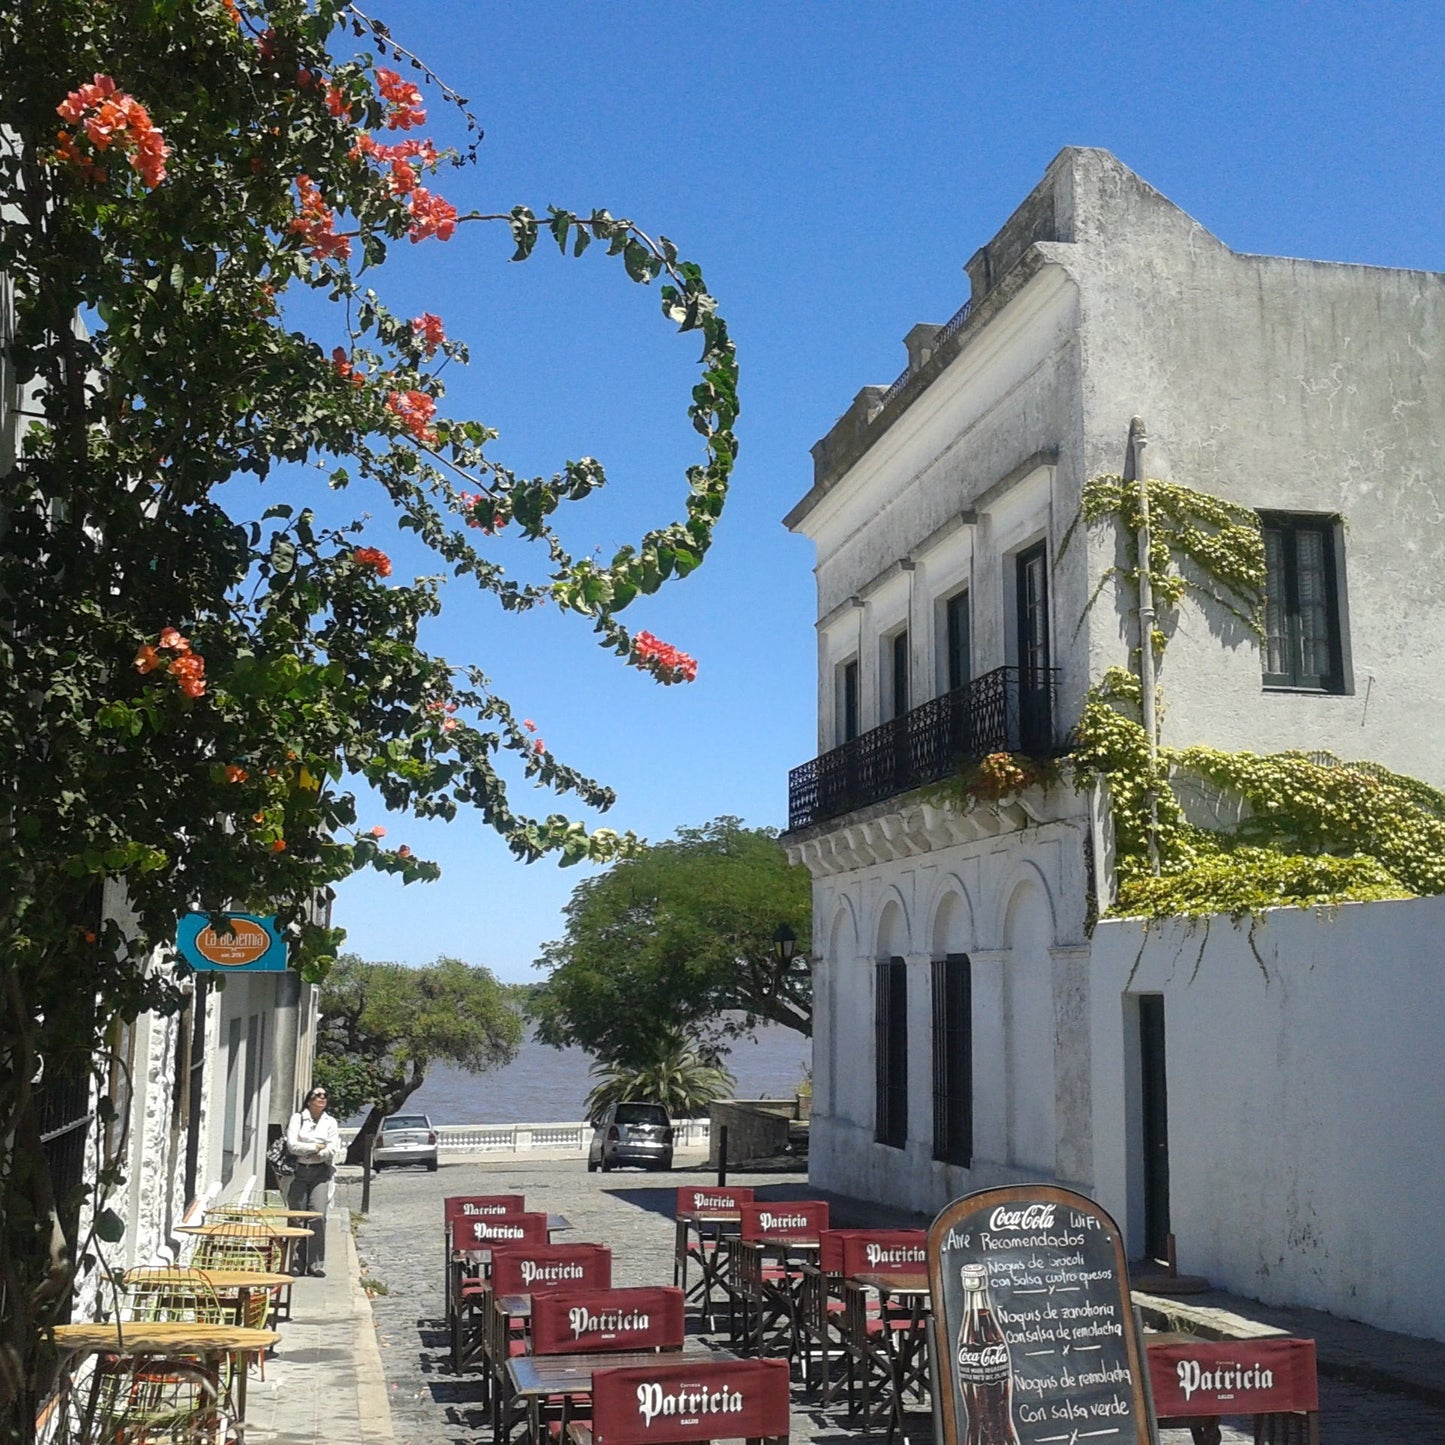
(785,944)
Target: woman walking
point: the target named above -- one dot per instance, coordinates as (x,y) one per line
(315,1139)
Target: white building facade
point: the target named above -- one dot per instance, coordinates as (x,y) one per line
(966,1032)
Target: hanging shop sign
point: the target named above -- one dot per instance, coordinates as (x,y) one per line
(1034,1333)
(252,944)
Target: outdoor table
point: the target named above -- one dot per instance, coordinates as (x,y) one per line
(288,1234)
(239,1282)
(535,1379)
(710,1226)
(262,1212)
(907,1347)
(209,1343)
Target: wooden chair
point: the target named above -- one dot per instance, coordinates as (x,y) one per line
(823,1303)
(867,1332)
(701,1241)
(766,1280)
(649,1405)
(471,1206)
(469,1280)
(595,1321)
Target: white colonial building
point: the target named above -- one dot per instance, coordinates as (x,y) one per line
(970,1027)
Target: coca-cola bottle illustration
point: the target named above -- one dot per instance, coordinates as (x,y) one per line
(985,1372)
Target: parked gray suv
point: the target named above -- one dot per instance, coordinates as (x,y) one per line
(631,1133)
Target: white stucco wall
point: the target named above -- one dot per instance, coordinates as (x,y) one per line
(1306,1102)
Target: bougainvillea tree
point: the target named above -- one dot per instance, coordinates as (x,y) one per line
(193,697)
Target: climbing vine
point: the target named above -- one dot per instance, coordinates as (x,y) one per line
(1311,829)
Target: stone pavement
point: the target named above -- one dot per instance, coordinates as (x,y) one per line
(335,1378)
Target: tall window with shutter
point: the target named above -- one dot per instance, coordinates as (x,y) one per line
(1303,645)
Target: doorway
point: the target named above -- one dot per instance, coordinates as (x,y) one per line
(1154,1125)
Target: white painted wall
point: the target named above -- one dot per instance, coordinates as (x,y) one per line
(1306,1103)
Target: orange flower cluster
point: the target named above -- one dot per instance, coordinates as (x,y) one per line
(373,557)
(187,667)
(345,369)
(316,223)
(663,660)
(235,773)
(404,98)
(416,409)
(109,118)
(430,216)
(399,157)
(429,331)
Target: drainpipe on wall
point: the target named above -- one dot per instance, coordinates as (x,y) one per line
(1138,440)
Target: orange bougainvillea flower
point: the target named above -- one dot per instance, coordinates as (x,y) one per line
(109,117)
(403,851)
(279,846)
(377,832)
(416,409)
(663,660)
(429,331)
(148,659)
(404,98)
(236,773)
(173,640)
(373,557)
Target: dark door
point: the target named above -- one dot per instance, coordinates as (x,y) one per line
(1154,1134)
(1035,659)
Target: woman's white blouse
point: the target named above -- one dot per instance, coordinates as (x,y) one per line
(314,1141)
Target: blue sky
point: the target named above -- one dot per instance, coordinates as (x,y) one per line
(831,166)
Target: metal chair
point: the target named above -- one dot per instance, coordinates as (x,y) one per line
(154,1400)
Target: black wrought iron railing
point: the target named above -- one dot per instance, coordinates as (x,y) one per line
(1008,710)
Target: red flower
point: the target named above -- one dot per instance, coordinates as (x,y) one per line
(403,852)
(430,216)
(344,368)
(235,774)
(233,10)
(279,846)
(110,117)
(429,331)
(405,98)
(377,832)
(529,725)
(664,661)
(173,640)
(148,659)
(316,223)
(416,409)
(373,557)
(539,746)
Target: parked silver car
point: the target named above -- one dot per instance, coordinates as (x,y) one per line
(631,1133)
(405,1139)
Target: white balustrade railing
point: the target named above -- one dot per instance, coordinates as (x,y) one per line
(559,1138)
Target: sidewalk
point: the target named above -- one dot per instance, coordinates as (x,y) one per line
(325,1382)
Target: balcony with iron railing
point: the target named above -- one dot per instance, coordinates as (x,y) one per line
(1008,710)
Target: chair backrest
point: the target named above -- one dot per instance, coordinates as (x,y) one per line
(175,1295)
(884,1251)
(485,1230)
(592,1321)
(1275,1374)
(701,1199)
(238,1246)
(803,1218)
(678,1401)
(523,1268)
(473,1206)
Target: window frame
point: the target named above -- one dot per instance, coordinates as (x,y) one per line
(953,1060)
(897,689)
(1289,526)
(890,1053)
(957,641)
(848,702)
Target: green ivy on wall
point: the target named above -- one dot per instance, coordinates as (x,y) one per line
(1311,829)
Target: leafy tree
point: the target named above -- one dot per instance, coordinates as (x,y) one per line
(196,691)
(383,1025)
(672,1073)
(678,940)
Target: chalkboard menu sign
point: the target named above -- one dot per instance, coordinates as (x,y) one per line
(1034,1332)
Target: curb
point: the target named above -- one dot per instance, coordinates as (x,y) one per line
(372,1406)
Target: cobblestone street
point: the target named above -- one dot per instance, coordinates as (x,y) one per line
(400,1249)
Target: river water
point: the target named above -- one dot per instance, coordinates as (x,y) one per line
(546,1085)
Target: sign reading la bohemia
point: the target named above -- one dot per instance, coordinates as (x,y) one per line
(1033,1323)
(253,943)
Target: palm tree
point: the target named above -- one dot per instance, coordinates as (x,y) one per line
(670,1072)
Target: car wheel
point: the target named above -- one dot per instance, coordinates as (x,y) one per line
(606,1163)
(591,1165)
(431,1165)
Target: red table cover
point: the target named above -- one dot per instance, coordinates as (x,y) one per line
(680,1401)
(1233,1377)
